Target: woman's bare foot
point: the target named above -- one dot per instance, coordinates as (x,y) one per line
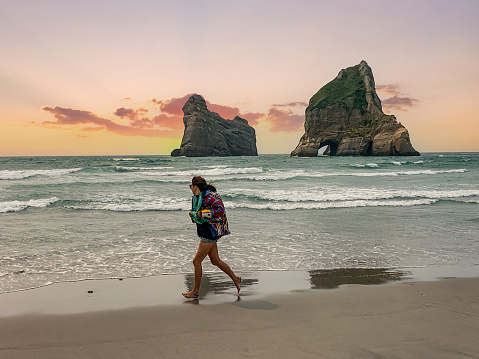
(190,295)
(238,283)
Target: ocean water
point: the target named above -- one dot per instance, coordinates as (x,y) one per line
(77,218)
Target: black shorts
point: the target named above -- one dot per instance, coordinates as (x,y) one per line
(204,231)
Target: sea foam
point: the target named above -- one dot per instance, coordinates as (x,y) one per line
(21,174)
(325,205)
(16,206)
(347,194)
(218,171)
(282,175)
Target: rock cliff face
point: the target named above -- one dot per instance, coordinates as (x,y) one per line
(207,134)
(346,115)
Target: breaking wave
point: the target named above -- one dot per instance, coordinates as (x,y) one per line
(21,174)
(326,205)
(347,194)
(282,175)
(17,206)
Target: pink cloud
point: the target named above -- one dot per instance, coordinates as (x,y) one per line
(173,106)
(168,122)
(68,116)
(291,104)
(142,123)
(174,123)
(125,112)
(134,117)
(284,120)
(388,89)
(395,102)
(224,111)
(398,103)
(252,117)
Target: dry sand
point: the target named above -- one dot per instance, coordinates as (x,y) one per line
(404,319)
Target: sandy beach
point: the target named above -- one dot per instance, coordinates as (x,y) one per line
(403,318)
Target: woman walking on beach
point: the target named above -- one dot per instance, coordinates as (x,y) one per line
(208,212)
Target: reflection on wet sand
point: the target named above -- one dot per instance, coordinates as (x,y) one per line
(216,283)
(333,278)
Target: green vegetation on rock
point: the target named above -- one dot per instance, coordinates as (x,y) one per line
(348,86)
(365,130)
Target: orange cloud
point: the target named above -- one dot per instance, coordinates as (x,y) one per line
(92,129)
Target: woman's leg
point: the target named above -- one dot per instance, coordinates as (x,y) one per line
(215,260)
(203,249)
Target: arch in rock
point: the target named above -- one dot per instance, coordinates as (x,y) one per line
(332,147)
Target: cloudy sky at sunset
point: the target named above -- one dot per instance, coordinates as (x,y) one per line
(110,77)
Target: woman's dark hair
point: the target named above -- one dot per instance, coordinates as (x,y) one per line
(200,182)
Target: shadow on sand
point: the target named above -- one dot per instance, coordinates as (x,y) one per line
(216,283)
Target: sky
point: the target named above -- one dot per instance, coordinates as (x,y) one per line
(110,77)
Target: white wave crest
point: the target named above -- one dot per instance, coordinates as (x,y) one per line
(17,206)
(360,165)
(348,194)
(281,175)
(160,204)
(325,205)
(21,174)
(219,171)
(155,168)
(125,159)
(216,166)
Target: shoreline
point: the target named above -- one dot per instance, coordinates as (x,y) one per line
(96,295)
(399,319)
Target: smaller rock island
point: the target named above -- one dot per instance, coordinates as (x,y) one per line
(208,134)
(346,116)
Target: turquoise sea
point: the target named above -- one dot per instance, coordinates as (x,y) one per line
(77,218)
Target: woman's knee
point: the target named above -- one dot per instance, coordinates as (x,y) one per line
(215,261)
(196,261)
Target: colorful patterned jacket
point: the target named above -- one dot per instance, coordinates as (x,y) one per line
(218,225)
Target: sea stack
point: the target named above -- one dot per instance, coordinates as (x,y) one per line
(208,134)
(346,116)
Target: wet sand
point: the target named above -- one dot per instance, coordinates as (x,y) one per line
(279,315)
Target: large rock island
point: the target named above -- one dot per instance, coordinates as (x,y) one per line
(208,134)
(346,116)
